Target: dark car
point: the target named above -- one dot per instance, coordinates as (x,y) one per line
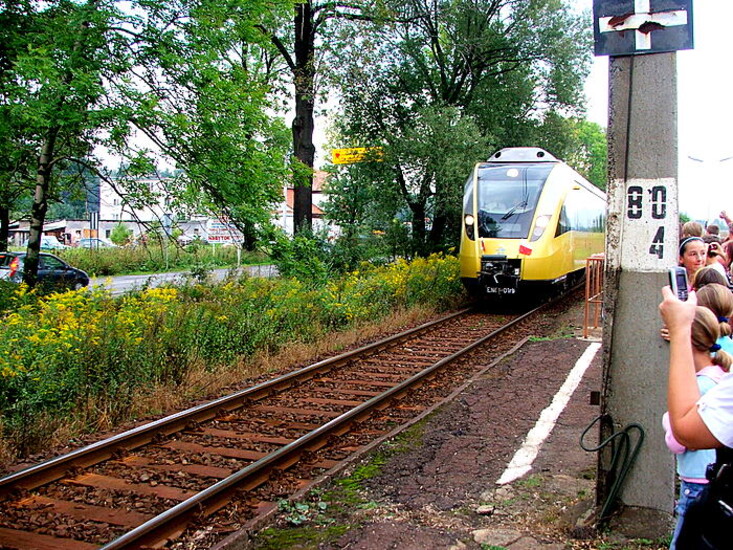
(53,272)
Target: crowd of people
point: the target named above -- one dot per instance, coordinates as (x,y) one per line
(699,422)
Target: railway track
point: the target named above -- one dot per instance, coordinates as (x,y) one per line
(144,487)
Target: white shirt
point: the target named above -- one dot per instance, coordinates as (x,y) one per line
(716,410)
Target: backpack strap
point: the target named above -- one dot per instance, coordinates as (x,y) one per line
(721,475)
(724,455)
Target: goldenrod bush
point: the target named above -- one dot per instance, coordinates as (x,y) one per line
(79,355)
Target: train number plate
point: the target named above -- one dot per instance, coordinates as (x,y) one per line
(499,290)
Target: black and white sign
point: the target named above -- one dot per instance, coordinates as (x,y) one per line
(632,27)
(649,230)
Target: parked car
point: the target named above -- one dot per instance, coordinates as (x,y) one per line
(95,243)
(50,242)
(53,272)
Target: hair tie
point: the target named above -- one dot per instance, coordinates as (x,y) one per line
(683,244)
(722,319)
(714,348)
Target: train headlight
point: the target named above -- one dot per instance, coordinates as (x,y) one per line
(540,225)
(468,219)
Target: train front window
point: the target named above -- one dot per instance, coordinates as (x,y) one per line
(507,198)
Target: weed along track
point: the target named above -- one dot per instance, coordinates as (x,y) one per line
(187,480)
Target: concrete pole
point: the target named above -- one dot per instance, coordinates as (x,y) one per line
(642,240)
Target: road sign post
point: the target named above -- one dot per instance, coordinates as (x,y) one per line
(642,240)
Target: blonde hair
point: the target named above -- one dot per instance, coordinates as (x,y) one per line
(705,333)
(718,299)
(707,275)
(692,229)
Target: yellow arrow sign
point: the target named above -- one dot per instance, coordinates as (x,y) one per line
(356,154)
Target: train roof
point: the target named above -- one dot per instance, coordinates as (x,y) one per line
(522,154)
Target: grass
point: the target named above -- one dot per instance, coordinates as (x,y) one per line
(91,361)
(323,516)
(139,260)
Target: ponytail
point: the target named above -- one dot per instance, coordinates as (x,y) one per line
(718,299)
(722,359)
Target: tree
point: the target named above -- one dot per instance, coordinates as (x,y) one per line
(591,155)
(440,74)
(299,52)
(189,74)
(15,159)
(200,96)
(52,87)
(120,234)
(581,143)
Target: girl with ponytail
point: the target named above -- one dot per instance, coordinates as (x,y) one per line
(718,299)
(711,363)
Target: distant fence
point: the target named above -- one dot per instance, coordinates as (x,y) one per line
(594,267)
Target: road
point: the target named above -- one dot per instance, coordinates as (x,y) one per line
(123,283)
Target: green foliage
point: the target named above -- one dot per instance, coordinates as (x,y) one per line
(150,259)
(82,355)
(193,77)
(304,257)
(354,482)
(297,513)
(303,538)
(439,86)
(207,71)
(120,235)
(11,299)
(582,144)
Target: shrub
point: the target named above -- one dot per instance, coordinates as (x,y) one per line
(120,235)
(81,355)
(304,257)
(134,259)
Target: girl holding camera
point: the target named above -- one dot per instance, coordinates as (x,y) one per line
(700,422)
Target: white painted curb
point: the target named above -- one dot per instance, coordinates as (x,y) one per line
(522,461)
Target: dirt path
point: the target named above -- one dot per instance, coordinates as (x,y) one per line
(435,486)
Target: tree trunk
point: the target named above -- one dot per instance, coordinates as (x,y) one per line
(249,234)
(435,238)
(4,228)
(303,124)
(419,231)
(38,210)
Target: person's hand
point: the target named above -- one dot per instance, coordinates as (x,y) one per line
(723,214)
(677,314)
(664,333)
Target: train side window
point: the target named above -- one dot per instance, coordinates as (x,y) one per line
(563,223)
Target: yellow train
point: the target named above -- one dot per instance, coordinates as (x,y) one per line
(528,220)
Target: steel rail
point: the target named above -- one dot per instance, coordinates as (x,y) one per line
(209,500)
(56,468)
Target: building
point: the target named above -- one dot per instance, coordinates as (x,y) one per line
(111,207)
(284,213)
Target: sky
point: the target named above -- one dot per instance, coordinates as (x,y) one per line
(705,115)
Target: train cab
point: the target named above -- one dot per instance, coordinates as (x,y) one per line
(528,220)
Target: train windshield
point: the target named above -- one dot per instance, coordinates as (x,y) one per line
(507,198)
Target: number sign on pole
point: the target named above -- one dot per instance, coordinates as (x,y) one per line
(650,231)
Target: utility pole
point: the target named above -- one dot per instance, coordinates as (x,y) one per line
(642,240)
